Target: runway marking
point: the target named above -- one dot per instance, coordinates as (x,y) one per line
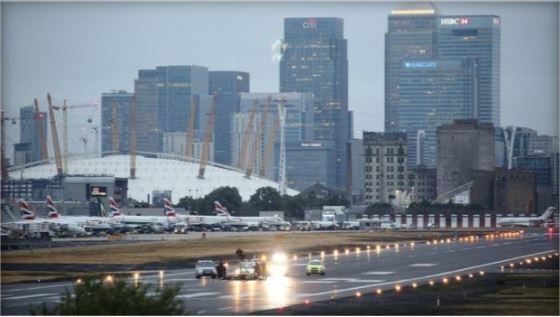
(175,274)
(378,273)
(422,264)
(425,276)
(299,264)
(351,280)
(30,296)
(180,279)
(225,308)
(450,251)
(200,312)
(197,294)
(227,296)
(39,287)
(318,282)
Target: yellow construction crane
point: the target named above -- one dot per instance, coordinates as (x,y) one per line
(207,137)
(269,146)
(133,129)
(64,110)
(246,136)
(114,128)
(41,131)
(54,135)
(258,140)
(190,131)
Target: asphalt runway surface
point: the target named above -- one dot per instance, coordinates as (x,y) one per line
(348,272)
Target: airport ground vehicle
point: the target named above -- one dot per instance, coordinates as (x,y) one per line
(246,270)
(181,228)
(206,268)
(351,225)
(316,266)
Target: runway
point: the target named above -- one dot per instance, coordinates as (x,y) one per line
(348,272)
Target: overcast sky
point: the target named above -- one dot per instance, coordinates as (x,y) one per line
(79,50)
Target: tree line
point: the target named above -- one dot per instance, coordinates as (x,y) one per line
(264,199)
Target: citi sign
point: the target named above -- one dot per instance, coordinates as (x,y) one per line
(310,23)
(454,21)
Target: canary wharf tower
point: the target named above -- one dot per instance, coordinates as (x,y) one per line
(314,60)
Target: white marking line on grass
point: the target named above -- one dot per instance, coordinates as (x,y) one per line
(422,264)
(425,276)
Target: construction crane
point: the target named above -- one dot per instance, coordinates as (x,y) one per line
(207,137)
(64,110)
(4,167)
(246,136)
(258,139)
(269,146)
(54,134)
(282,159)
(41,131)
(133,131)
(190,130)
(114,128)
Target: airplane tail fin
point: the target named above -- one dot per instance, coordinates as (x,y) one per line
(169,210)
(25,211)
(549,211)
(114,209)
(220,210)
(53,212)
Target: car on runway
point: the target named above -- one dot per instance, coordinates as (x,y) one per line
(316,266)
(206,268)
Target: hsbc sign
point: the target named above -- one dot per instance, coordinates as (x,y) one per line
(454,21)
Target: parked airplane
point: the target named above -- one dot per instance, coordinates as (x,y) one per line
(222,211)
(97,224)
(57,225)
(525,221)
(155,222)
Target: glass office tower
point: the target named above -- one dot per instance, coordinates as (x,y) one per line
(314,60)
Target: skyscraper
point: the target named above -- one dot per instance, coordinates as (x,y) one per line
(121,99)
(411,34)
(30,134)
(431,93)
(228,85)
(476,37)
(420,34)
(315,61)
(163,97)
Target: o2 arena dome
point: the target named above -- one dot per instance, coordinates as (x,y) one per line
(156,174)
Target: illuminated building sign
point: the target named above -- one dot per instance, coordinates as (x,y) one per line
(420,64)
(310,23)
(311,144)
(97,191)
(454,21)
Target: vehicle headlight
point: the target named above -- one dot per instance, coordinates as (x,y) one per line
(237,271)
